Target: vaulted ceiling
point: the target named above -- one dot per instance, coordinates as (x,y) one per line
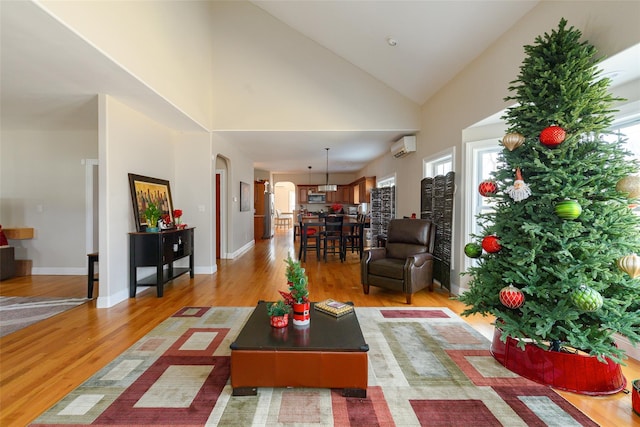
(414,47)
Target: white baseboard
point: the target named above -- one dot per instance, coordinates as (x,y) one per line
(59,271)
(111,300)
(239,252)
(205,270)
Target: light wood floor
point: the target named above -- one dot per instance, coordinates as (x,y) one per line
(42,363)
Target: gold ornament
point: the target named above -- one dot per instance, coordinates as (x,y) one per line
(513,140)
(630,264)
(629,184)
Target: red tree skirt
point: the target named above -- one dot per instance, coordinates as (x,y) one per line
(577,373)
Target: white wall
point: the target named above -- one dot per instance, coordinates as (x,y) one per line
(240,224)
(129,142)
(270,77)
(193,192)
(165,44)
(42,185)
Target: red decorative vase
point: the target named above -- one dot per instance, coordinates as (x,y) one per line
(279,321)
(635,397)
(573,372)
(301,313)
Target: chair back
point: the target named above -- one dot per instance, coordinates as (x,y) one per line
(333,225)
(406,237)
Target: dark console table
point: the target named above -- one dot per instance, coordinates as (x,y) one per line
(157,250)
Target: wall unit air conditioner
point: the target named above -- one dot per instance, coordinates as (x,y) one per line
(403,146)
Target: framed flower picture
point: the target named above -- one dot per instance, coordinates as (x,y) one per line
(146,190)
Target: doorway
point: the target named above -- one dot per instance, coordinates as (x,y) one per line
(220,197)
(285,196)
(91,205)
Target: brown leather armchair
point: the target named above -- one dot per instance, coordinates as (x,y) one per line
(406,263)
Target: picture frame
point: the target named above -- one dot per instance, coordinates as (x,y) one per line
(145,189)
(245,194)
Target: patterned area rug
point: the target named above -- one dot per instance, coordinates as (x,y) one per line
(427,367)
(19,312)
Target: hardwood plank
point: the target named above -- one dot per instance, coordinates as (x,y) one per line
(44,362)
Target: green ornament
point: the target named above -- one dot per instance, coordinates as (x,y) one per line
(568,209)
(473,250)
(587,299)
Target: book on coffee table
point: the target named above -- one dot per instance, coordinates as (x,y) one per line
(333,307)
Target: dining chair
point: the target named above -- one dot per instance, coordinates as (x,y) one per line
(354,239)
(332,236)
(309,240)
(279,221)
(283,219)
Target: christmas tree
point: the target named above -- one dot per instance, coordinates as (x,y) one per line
(557,266)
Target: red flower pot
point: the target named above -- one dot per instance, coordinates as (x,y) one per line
(279,321)
(301,313)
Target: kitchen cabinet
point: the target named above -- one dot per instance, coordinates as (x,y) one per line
(303,190)
(258,197)
(361,189)
(341,195)
(258,227)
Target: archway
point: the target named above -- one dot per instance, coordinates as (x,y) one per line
(220,219)
(285,196)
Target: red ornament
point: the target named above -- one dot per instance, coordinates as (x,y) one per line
(491,244)
(552,136)
(487,188)
(511,297)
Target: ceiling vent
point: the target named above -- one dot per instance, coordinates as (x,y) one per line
(403,146)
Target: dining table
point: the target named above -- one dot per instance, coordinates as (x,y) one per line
(317,222)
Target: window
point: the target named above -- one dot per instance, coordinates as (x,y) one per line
(387,181)
(481,160)
(630,129)
(438,164)
(485,162)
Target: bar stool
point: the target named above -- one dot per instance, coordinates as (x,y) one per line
(354,240)
(92,259)
(332,236)
(307,236)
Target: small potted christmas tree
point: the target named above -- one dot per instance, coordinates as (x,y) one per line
(278,313)
(298,295)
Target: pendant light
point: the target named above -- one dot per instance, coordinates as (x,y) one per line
(309,190)
(327,186)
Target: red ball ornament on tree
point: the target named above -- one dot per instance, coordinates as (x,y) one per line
(491,244)
(552,136)
(487,188)
(511,297)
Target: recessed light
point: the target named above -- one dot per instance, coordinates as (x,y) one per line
(391,41)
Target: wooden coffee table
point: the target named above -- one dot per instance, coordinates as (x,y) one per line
(328,353)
